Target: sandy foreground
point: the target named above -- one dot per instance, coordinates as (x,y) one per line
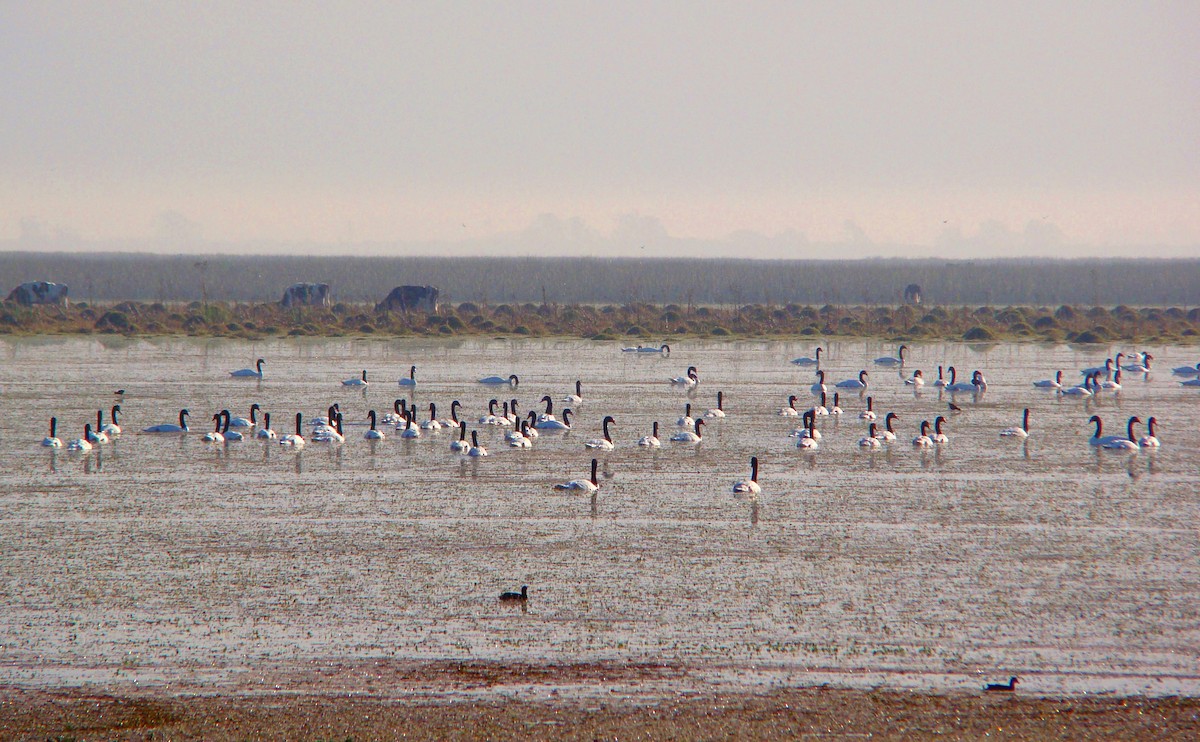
(456,700)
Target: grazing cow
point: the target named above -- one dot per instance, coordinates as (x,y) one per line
(912,294)
(410,298)
(39,292)
(306,295)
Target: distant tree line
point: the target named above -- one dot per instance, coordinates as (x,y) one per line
(1038,282)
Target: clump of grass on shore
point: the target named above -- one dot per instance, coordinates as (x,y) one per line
(637,323)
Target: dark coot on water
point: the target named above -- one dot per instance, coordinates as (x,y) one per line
(1011,685)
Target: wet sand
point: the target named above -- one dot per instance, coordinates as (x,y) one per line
(455,700)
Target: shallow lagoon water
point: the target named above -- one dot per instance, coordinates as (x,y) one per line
(162,559)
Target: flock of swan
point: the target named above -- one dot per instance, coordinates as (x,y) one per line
(522,430)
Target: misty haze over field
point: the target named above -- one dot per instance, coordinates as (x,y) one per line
(675,129)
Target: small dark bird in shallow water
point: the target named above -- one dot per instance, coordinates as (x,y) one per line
(1011,685)
(120,392)
(953,407)
(523,595)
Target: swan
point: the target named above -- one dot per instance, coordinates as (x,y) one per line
(549,413)
(686,421)
(959,386)
(411,431)
(510,413)
(1055,383)
(809,442)
(112,430)
(717,412)
(476,449)
(82,444)
(460,445)
(1098,438)
(1187,370)
(897,360)
(241,422)
(373,434)
(295,440)
(1149,440)
(818,388)
(51,441)
(689,436)
(1113,384)
(605,443)
(888,435)
(1129,443)
(577,397)
(518,438)
(1106,369)
(503,419)
(98,435)
(1018,432)
(1080,391)
(690,379)
(330,433)
(511,380)
(809,430)
(411,379)
(978,381)
(923,440)
(820,409)
(836,410)
(1141,367)
(432,423)
(870,440)
(650,441)
(452,421)
(869,413)
(564,424)
(397,416)
(521,596)
(809,361)
(938,436)
(170,427)
(790,410)
(490,417)
(231,436)
(941,381)
(917,379)
(749,486)
(329,418)
(357,382)
(215,435)
(531,432)
(582,485)
(265,432)
(255,372)
(664,348)
(859,383)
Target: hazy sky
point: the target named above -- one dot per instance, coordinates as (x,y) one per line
(809,121)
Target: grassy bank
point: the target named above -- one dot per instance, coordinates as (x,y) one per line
(634,323)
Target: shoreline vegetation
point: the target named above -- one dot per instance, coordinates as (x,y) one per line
(631,324)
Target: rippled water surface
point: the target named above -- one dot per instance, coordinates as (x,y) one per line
(160,557)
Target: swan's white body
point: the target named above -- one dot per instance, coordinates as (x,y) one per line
(790,410)
(916,379)
(818,388)
(869,413)
(870,440)
(359,381)
(749,486)
(605,443)
(689,436)
(582,485)
(256,372)
(941,381)
(476,450)
(52,441)
(294,440)
(411,379)
(1021,431)
(923,440)
(1055,383)
(82,444)
(511,380)
(688,380)
(717,412)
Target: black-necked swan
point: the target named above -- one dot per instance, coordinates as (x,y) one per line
(432,423)
(461,445)
(650,441)
(749,486)
(397,414)
(265,433)
(887,434)
(869,413)
(689,436)
(941,381)
(577,397)
(819,387)
(870,440)
(923,440)
(859,383)
(1055,383)
(1018,432)
(532,432)
(689,379)
(452,421)
(98,435)
(1113,384)
(836,409)
(806,361)
(51,441)
(476,449)
(584,485)
(1141,367)
(512,380)
(790,410)
(717,412)
(897,360)
(82,444)
(521,596)
(113,429)
(490,417)
(357,381)
(686,421)
(241,422)
(1098,437)
(231,436)
(373,434)
(808,439)
(330,433)
(1128,443)
(1149,440)
(917,379)
(519,438)
(1106,369)
(410,430)
(295,439)
(549,413)
(171,427)
(215,435)
(411,379)
(1089,382)
(820,409)
(938,436)
(256,372)
(605,443)
(1011,685)
(564,424)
